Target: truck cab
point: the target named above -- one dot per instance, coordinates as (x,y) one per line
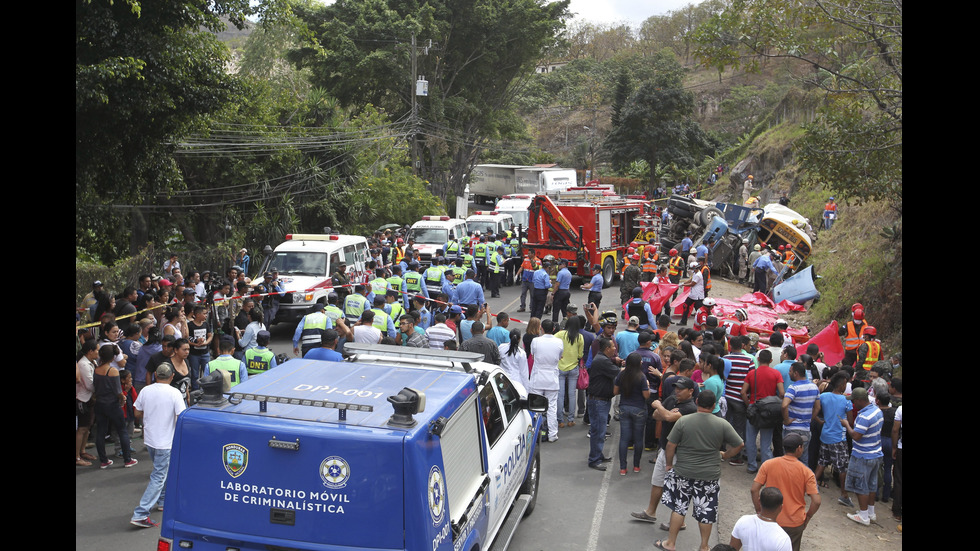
(305,263)
(394,448)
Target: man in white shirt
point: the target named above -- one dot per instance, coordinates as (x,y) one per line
(694,300)
(157,407)
(547,350)
(760,532)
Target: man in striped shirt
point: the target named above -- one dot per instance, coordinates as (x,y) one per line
(741,363)
(798,406)
(866,455)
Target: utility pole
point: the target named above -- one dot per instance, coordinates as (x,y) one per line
(418,86)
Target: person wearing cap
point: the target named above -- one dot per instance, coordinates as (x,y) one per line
(382,320)
(702,314)
(829,213)
(866,454)
(270,302)
(495,265)
(341,281)
(594,286)
(627,340)
(357,303)
(790,475)
(413,284)
(561,291)
(693,468)
(418,309)
(542,284)
(225,362)
(853,333)
(686,245)
(260,359)
(157,407)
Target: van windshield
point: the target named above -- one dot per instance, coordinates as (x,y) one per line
(482,226)
(520,216)
(299,263)
(429,236)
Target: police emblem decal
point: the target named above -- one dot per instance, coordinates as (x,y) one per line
(436,494)
(334,472)
(235,459)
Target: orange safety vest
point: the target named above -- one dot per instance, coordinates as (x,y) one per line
(874,354)
(832,207)
(853,339)
(674,266)
(706,273)
(649,263)
(790,256)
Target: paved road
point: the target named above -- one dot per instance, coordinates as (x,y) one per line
(578,508)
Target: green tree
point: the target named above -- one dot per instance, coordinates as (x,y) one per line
(852,51)
(480,54)
(657,123)
(145,75)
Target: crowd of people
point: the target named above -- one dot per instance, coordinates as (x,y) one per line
(690,397)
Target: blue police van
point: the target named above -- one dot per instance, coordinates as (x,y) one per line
(394,448)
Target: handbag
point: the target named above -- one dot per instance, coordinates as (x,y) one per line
(766,413)
(583,379)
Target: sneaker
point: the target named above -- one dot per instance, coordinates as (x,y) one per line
(845,501)
(622,472)
(736,462)
(636,469)
(106,465)
(856,517)
(131,463)
(144,523)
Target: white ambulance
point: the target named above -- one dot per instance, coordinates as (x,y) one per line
(305,263)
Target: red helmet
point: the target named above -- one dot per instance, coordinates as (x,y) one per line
(673,252)
(400,241)
(859,314)
(782,247)
(856,305)
(630,250)
(633,244)
(870,330)
(635,256)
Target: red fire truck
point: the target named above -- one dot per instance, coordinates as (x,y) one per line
(586,229)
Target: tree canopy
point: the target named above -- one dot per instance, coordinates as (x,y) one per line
(479,53)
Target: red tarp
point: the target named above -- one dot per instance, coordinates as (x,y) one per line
(829,342)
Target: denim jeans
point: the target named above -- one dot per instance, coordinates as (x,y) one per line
(598,417)
(632,422)
(566,390)
(765,442)
(155,490)
(196,364)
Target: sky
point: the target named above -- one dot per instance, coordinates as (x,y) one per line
(633,12)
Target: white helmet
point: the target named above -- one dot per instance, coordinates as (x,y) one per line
(708,302)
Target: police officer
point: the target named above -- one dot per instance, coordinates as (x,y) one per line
(496,268)
(480,256)
(356,303)
(227,363)
(260,359)
(435,277)
(382,320)
(379,285)
(594,286)
(541,282)
(413,283)
(561,291)
(309,329)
